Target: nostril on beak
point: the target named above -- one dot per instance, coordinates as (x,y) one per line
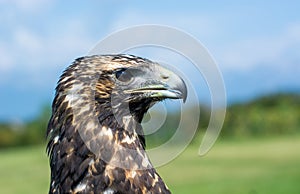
(164,76)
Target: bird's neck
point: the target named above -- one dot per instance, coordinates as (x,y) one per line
(125,118)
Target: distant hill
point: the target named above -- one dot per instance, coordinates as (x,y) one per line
(277,114)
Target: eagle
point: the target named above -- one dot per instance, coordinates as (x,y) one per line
(95,137)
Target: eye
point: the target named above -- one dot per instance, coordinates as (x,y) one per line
(124,75)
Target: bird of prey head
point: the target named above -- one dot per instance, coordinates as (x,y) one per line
(96,142)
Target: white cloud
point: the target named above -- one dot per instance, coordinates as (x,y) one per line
(28,5)
(202,25)
(27,41)
(6,60)
(256,51)
(39,55)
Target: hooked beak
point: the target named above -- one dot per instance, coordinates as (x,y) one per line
(163,84)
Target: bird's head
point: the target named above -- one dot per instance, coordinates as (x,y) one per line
(134,84)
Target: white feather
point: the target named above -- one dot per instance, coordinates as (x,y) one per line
(108,191)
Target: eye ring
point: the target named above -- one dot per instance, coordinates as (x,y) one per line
(124,75)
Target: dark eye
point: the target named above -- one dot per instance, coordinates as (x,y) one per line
(124,75)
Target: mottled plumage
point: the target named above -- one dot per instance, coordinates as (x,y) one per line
(96,142)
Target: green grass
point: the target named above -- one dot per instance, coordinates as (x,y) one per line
(233,167)
(24,170)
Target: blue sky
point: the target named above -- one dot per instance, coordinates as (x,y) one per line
(256,45)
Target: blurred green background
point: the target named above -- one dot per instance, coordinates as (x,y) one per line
(257,152)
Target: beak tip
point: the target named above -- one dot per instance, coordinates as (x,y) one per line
(184,99)
(183,90)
